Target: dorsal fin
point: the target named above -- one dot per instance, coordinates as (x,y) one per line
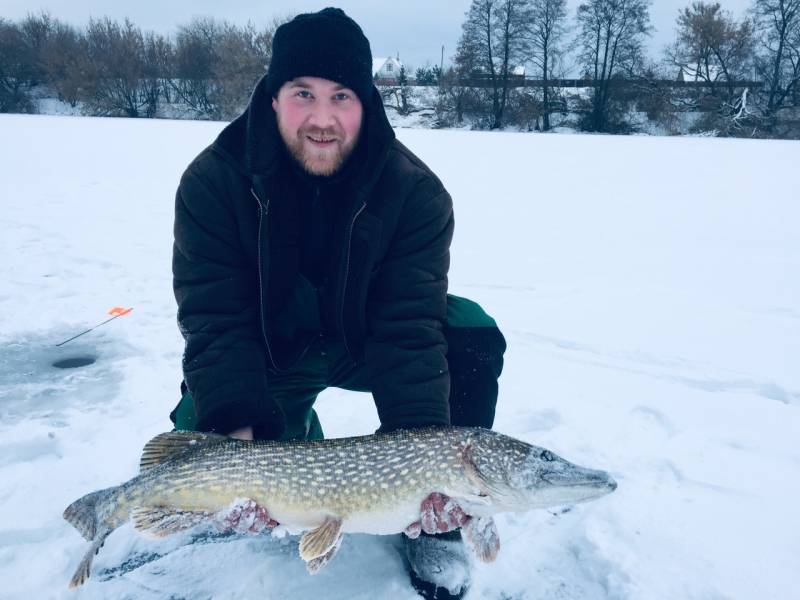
(165,446)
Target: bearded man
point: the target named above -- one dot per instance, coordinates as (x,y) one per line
(311,251)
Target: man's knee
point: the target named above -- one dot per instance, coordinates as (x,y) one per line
(473,338)
(475,359)
(475,349)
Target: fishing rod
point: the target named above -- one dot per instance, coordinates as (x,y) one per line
(117,311)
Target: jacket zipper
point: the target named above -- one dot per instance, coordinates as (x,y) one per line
(263,211)
(344,281)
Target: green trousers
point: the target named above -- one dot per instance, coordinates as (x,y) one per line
(475,361)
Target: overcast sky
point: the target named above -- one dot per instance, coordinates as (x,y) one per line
(416,29)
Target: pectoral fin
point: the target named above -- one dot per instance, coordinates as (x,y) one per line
(317,542)
(315,565)
(160,521)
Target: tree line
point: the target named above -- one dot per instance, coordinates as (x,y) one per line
(605,43)
(208,68)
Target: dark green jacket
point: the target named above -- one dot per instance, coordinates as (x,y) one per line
(388,288)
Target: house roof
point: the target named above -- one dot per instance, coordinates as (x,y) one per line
(377,63)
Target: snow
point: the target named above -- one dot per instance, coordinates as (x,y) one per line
(653,330)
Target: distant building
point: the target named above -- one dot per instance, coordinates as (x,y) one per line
(481,72)
(385,71)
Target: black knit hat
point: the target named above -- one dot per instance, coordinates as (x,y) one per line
(326,44)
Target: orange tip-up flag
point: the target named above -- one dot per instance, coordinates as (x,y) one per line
(117,311)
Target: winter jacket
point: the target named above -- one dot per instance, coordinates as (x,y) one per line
(234,252)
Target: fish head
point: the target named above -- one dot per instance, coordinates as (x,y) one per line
(515,475)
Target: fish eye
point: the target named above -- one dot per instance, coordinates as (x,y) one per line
(547,455)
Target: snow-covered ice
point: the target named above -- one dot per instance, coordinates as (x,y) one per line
(648,289)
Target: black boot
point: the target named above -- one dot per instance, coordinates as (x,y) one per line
(438,565)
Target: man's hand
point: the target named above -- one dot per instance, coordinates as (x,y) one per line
(243,433)
(243,515)
(438,514)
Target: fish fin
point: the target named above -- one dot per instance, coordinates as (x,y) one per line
(83,513)
(168,445)
(161,521)
(481,533)
(85,566)
(317,542)
(316,564)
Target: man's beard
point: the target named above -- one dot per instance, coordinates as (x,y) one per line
(308,157)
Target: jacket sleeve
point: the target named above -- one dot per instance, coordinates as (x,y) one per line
(406,352)
(224,362)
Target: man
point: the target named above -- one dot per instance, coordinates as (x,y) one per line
(312,250)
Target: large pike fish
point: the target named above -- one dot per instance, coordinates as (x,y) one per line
(404,481)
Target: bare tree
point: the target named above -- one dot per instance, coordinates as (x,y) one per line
(15,69)
(217,64)
(713,46)
(36,30)
(778,25)
(241,57)
(115,67)
(610,37)
(495,37)
(195,58)
(37,51)
(399,93)
(455,96)
(156,57)
(547,29)
(22,64)
(64,63)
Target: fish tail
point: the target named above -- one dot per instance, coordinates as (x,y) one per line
(88,513)
(85,566)
(94,516)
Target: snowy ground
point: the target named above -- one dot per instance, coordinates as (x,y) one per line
(649,291)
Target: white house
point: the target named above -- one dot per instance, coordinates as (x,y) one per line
(387,70)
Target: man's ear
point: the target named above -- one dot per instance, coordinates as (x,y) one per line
(275,103)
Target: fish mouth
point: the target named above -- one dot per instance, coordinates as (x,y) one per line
(588,480)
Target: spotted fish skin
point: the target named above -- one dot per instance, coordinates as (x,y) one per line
(299,481)
(369,484)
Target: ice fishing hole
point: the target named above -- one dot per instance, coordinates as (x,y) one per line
(74,362)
